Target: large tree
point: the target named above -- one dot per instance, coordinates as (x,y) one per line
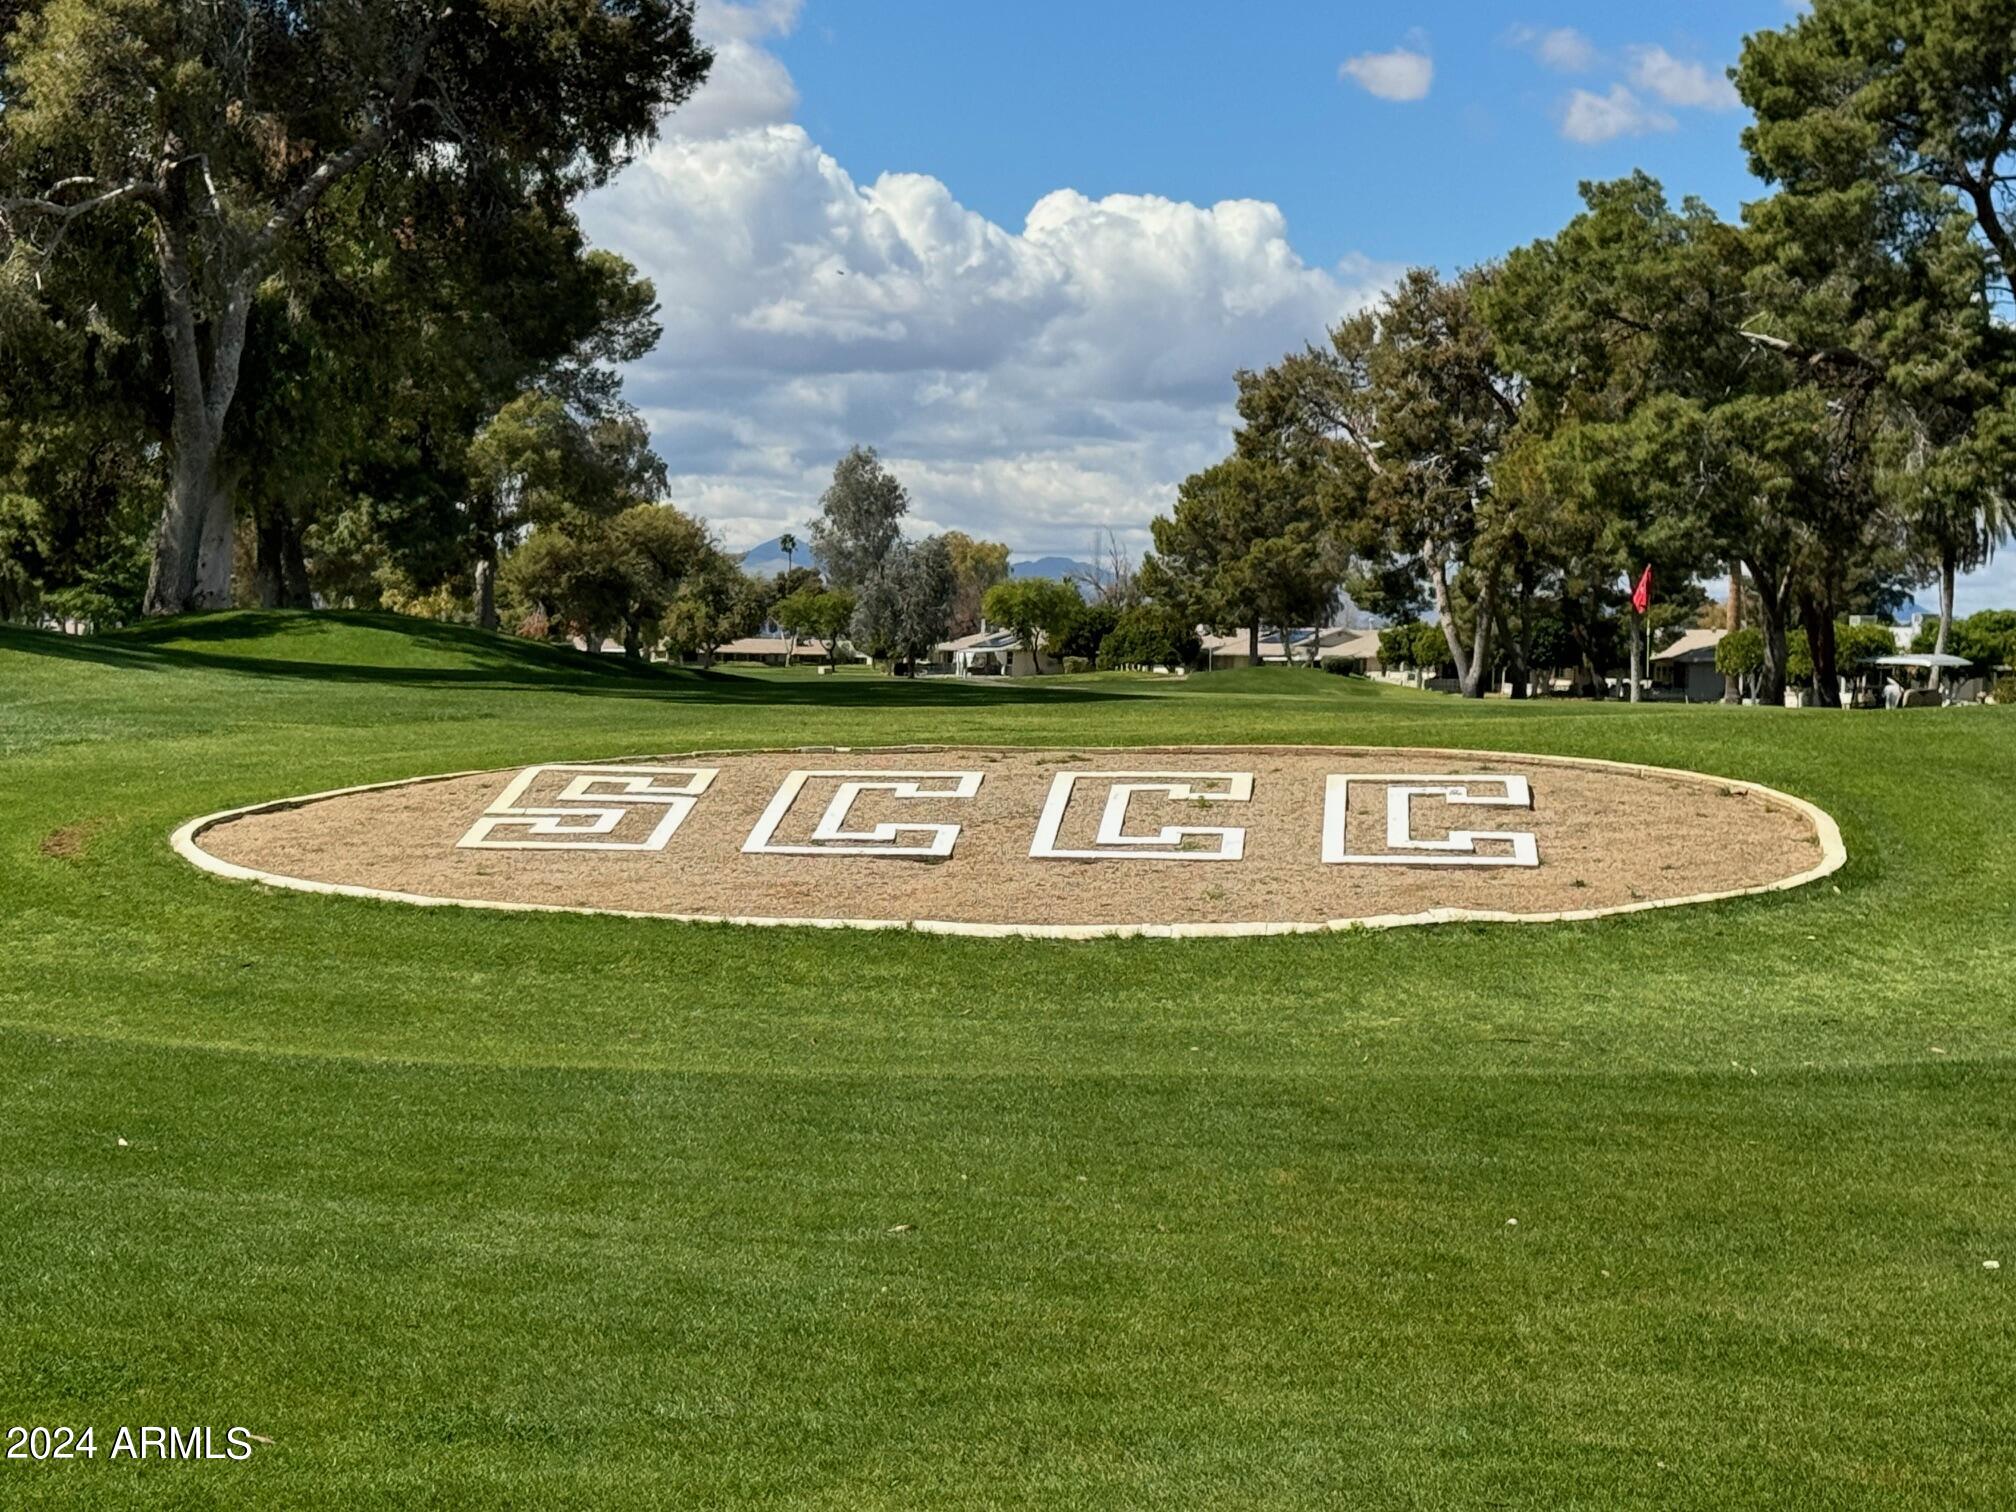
(1888,127)
(905,605)
(860,521)
(1039,611)
(1402,418)
(1915,90)
(977,566)
(216,133)
(539,463)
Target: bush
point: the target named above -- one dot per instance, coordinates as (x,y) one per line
(1985,639)
(2005,689)
(1857,646)
(1087,632)
(1740,653)
(1150,636)
(1340,666)
(1077,664)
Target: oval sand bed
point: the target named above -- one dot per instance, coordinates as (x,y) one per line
(1157,840)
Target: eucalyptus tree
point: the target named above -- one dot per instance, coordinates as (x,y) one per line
(539,465)
(1404,414)
(860,519)
(212,135)
(904,607)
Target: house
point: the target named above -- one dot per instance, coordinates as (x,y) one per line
(772,651)
(1686,669)
(1360,647)
(1225,652)
(990,653)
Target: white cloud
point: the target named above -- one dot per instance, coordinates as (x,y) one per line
(1402,74)
(1029,384)
(1691,85)
(1561,48)
(751,20)
(747,86)
(1991,587)
(1591,118)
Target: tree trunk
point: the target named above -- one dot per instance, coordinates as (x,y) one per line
(1772,600)
(268,573)
(1732,687)
(1518,648)
(1253,642)
(1636,626)
(486,583)
(632,639)
(1438,578)
(279,572)
(1592,683)
(1473,677)
(192,542)
(295,590)
(1948,570)
(1819,619)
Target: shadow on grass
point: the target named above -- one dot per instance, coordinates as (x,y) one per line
(449,657)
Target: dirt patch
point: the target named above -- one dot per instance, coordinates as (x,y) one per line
(1599,837)
(70,842)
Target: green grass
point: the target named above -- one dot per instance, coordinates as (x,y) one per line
(569,1211)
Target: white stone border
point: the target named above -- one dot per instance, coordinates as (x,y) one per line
(1833,853)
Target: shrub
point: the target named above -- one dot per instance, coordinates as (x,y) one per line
(1856,646)
(1036,610)
(1987,638)
(1150,636)
(1086,632)
(1340,666)
(1414,644)
(2005,688)
(1077,664)
(1740,653)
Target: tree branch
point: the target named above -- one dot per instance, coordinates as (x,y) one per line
(333,170)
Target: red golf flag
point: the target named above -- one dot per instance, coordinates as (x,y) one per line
(1641,596)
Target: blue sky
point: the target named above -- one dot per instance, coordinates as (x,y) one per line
(1212,102)
(1022,249)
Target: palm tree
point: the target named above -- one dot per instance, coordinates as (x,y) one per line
(788,544)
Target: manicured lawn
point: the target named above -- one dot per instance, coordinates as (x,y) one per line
(566,1211)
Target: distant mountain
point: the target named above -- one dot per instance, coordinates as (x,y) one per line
(767,559)
(1051,567)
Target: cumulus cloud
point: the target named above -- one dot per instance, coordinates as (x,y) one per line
(1402,74)
(1590,118)
(1677,82)
(747,86)
(1030,384)
(1561,48)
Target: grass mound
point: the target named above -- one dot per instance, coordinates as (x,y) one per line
(331,642)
